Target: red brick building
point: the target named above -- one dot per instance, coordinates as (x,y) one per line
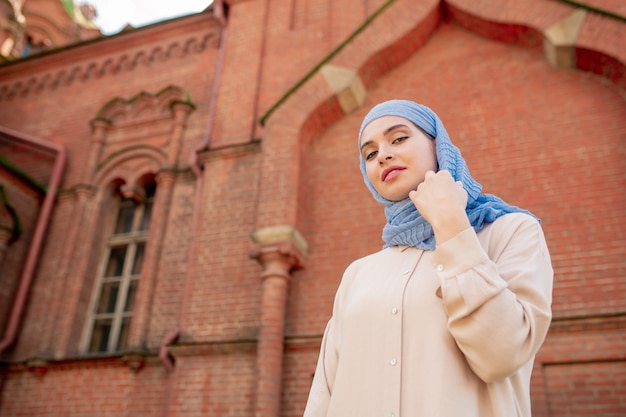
(178,202)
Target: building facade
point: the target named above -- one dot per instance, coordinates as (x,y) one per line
(179,201)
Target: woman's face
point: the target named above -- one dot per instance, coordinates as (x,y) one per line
(397,156)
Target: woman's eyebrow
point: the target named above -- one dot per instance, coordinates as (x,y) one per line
(365,144)
(385,133)
(394,127)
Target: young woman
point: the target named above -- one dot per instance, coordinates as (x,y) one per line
(445,320)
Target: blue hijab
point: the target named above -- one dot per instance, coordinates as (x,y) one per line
(405,225)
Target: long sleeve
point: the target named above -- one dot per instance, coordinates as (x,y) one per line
(321,388)
(498,298)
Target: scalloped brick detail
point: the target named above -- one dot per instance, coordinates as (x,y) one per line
(82,73)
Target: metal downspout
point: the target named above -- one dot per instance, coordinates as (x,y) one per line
(38,237)
(164,355)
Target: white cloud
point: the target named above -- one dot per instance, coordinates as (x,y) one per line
(113,15)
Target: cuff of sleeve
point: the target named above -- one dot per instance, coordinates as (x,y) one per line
(459,254)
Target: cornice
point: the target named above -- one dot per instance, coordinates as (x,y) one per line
(112,56)
(237,150)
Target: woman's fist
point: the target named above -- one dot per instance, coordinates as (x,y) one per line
(442,201)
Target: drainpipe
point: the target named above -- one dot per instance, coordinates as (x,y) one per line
(196,167)
(38,237)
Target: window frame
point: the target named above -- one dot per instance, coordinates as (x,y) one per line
(131,241)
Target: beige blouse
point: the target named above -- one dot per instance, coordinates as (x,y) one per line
(445,333)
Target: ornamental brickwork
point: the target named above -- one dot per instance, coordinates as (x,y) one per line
(225,141)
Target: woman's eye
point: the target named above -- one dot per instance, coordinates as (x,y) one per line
(400,139)
(370,155)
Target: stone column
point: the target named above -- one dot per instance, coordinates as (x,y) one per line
(278,259)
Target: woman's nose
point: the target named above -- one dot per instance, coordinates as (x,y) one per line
(384,155)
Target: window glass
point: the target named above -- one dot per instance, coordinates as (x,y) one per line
(139,254)
(100,335)
(147,214)
(125,218)
(122,342)
(115,266)
(130,297)
(108,297)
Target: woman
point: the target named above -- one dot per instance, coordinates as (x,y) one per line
(446,319)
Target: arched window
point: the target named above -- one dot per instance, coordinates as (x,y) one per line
(119,273)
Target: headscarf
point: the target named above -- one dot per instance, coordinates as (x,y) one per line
(405,225)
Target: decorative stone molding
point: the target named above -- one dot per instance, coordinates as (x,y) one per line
(135,134)
(130,163)
(560,40)
(99,128)
(121,112)
(280,235)
(109,66)
(133,192)
(231,151)
(278,260)
(78,191)
(214,347)
(39,367)
(347,86)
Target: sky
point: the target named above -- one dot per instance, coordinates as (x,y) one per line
(113,15)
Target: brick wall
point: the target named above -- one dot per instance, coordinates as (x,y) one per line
(545,139)
(587,389)
(98,387)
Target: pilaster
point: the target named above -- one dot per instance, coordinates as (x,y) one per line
(279,252)
(149,274)
(98,139)
(180,112)
(68,288)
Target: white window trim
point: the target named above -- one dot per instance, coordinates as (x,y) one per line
(132,240)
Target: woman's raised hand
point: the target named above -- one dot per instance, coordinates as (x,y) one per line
(442,202)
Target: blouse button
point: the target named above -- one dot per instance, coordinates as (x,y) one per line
(439,267)
(393,362)
(394,311)
(406,272)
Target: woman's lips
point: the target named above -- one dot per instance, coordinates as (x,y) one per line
(391,173)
